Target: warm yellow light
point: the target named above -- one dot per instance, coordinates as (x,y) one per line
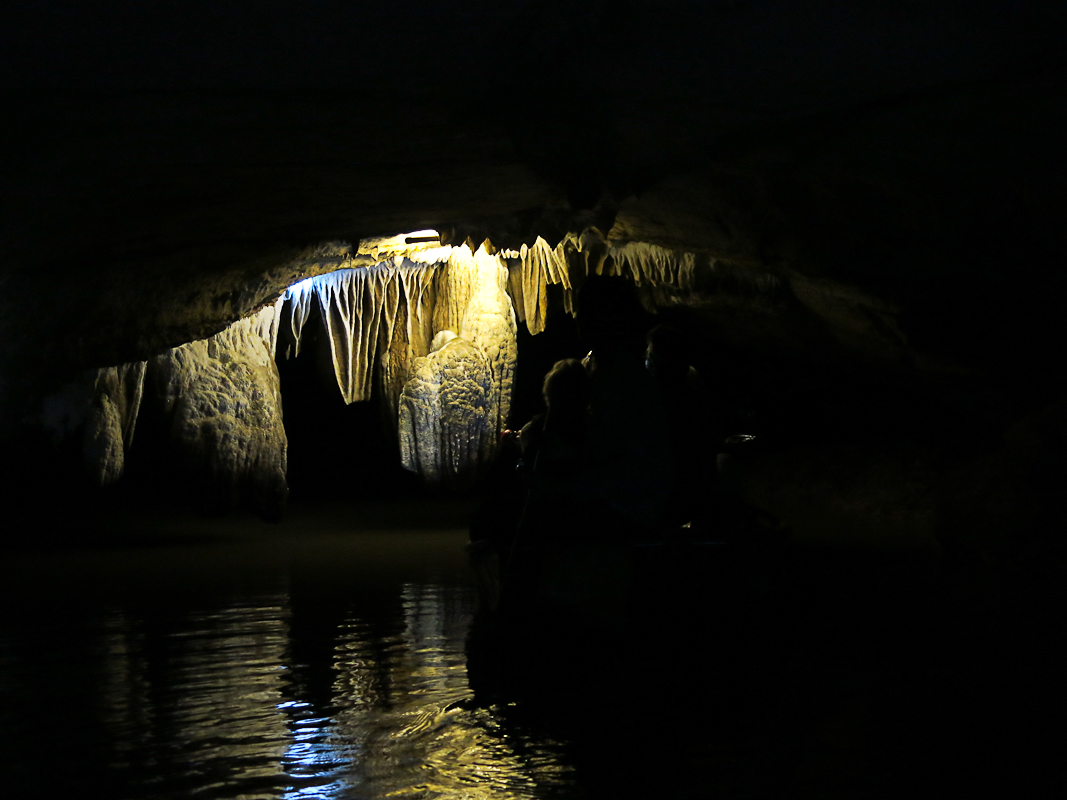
(402,244)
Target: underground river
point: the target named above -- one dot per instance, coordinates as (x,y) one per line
(329,656)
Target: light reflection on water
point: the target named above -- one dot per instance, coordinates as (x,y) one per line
(240,698)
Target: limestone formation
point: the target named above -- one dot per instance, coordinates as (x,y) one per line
(388,313)
(223,399)
(488,322)
(298,298)
(540,265)
(656,270)
(101,409)
(111,420)
(407,329)
(351,305)
(445,419)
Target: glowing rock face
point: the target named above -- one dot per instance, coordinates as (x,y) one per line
(446,425)
(387,315)
(488,322)
(457,401)
(351,303)
(407,328)
(448,399)
(223,398)
(109,426)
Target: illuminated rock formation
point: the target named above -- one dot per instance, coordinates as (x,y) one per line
(111,420)
(351,304)
(223,401)
(407,330)
(657,271)
(100,408)
(488,322)
(446,424)
(537,267)
(387,315)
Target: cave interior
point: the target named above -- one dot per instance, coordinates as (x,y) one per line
(855,215)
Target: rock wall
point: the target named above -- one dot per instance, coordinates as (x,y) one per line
(100,408)
(111,421)
(223,400)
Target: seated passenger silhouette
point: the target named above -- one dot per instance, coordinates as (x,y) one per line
(626,472)
(695,430)
(532,481)
(553,440)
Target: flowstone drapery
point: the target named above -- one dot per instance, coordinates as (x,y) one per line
(446,428)
(387,315)
(656,271)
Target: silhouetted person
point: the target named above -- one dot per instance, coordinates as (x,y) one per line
(695,434)
(553,440)
(626,473)
(532,481)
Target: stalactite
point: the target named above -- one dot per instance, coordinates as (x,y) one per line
(537,267)
(407,329)
(532,269)
(298,299)
(223,398)
(649,263)
(351,305)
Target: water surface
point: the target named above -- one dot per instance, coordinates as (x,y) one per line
(331,657)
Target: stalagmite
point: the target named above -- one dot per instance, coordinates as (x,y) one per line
(223,398)
(489,323)
(445,419)
(112,416)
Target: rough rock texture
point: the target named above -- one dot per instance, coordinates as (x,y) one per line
(100,408)
(111,421)
(446,425)
(223,401)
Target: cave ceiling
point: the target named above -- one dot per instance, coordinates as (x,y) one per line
(897,168)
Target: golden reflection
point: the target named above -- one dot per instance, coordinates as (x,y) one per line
(210,703)
(401,719)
